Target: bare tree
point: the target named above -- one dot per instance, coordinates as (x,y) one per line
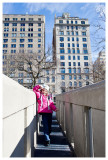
(34,64)
(98,34)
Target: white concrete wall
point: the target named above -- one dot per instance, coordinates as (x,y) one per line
(84,119)
(19,119)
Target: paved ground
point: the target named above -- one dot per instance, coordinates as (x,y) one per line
(59,146)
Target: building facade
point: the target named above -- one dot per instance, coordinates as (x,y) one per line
(72,53)
(22,34)
(99,68)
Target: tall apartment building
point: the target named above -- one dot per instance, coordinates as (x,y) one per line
(99,67)
(72,52)
(22,33)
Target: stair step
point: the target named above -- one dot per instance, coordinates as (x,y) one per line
(53,147)
(53,133)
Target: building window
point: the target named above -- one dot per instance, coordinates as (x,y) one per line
(47,72)
(62,70)
(14,34)
(14,29)
(39,24)
(22,24)
(13,40)
(6,24)
(76,27)
(39,34)
(68,33)
(70,77)
(5,34)
(62,77)
(7,19)
(30,19)
(74,63)
(4,51)
(76,33)
(5,45)
(20,81)
(86,70)
(61,39)
(86,77)
(82,22)
(75,77)
(30,34)
(85,51)
(30,45)
(69,45)
(77,45)
(72,38)
(74,70)
(39,29)
(20,75)
(69,57)
(85,57)
(5,40)
(73,50)
(78,51)
(62,57)
(79,76)
(80,84)
(79,70)
(22,29)
(73,57)
(73,45)
(67,22)
(75,84)
(85,45)
(67,27)
(23,19)
(87,83)
(13,51)
(78,57)
(39,19)
(22,34)
(15,19)
(30,24)
(61,33)
(70,84)
(53,71)
(13,45)
(71,22)
(21,45)
(62,50)
(61,44)
(75,22)
(72,27)
(39,40)
(72,33)
(78,63)
(83,28)
(39,45)
(68,38)
(69,51)
(30,40)
(69,63)
(77,39)
(83,33)
(70,70)
(62,63)
(14,24)
(30,29)
(53,79)
(6,29)
(85,63)
(84,39)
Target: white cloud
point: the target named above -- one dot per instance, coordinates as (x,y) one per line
(52,7)
(85,6)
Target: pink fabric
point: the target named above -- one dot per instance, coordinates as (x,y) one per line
(44,107)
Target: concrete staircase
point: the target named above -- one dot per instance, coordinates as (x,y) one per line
(59,146)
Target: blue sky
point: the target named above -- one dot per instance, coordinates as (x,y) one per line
(82,10)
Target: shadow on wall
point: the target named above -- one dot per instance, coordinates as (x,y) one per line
(27,142)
